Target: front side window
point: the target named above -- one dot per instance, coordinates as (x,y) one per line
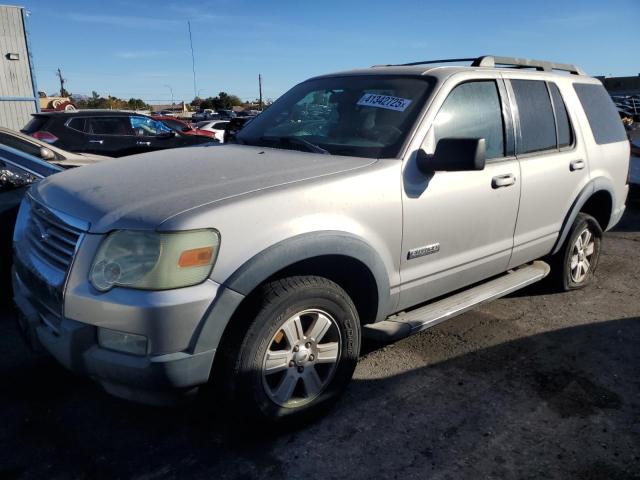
(537,124)
(147,127)
(364,116)
(20,144)
(473,110)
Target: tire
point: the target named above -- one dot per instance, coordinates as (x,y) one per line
(296,355)
(574,266)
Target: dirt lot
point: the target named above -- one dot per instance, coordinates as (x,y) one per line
(536,385)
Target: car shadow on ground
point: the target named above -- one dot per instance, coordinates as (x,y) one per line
(561,404)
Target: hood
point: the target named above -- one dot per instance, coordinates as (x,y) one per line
(142,191)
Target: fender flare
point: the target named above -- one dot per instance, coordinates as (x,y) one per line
(277,257)
(595,185)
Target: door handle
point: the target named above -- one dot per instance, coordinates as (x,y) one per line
(576,165)
(97,141)
(146,144)
(503,181)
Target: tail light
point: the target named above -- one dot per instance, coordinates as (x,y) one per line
(45,136)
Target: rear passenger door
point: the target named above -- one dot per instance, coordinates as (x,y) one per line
(111,136)
(553,164)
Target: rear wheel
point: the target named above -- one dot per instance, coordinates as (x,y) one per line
(576,262)
(298,352)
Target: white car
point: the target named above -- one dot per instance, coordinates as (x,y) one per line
(215,126)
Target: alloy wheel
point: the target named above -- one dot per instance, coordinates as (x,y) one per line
(301,358)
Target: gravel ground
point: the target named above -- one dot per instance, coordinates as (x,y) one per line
(535,385)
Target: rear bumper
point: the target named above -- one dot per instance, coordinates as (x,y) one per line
(157,379)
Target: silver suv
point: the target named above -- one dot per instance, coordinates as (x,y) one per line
(355,205)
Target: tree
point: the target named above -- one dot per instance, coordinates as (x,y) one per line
(224,101)
(96,101)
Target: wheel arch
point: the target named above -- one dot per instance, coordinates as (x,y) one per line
(597,199)
(342,257)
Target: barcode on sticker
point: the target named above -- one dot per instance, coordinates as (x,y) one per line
(384,101)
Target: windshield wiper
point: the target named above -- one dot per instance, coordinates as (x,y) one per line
(312,147)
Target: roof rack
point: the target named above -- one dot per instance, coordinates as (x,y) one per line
(491,61)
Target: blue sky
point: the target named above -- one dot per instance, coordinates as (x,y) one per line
(136,49)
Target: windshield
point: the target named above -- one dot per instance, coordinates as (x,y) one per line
(363,116)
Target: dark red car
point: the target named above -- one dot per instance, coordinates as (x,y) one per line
(181,126)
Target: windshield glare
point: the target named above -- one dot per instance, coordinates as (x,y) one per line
(364,116)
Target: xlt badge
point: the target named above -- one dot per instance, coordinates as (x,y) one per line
(422,251)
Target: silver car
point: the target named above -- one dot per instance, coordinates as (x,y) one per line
(355,205)
(49,153)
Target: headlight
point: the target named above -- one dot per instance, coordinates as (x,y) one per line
(154,261)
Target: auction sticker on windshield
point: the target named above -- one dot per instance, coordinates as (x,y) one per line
(384,101)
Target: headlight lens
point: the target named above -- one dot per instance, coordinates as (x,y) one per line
(154,261)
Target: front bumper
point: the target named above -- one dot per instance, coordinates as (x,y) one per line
(154,378)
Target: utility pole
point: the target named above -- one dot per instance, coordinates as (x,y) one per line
(62,80)
(171,89)
(193,62)
(260,89)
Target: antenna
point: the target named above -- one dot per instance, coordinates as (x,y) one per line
(260,89)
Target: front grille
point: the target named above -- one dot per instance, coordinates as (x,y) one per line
(51,239)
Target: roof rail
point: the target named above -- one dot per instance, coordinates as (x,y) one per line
(491,61)
(542,65)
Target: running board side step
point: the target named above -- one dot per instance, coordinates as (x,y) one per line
(414,321)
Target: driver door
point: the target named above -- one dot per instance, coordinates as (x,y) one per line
(458,226)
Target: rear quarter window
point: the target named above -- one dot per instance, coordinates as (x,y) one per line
(35,124)
(601,113)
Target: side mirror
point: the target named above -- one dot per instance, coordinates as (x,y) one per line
(454,155)
(47,154)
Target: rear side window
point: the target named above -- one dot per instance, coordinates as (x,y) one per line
(537,125)
(77,123)
(602,114)
(473,110)
(110,126)
(565,134)
(220,125)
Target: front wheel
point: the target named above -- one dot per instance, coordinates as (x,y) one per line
(298,352)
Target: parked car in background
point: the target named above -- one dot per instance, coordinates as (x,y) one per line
(181,126)
(201,115)
(45,151)
(107,132)
(217,127)
(18,170)
(234,126)
(227,114)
